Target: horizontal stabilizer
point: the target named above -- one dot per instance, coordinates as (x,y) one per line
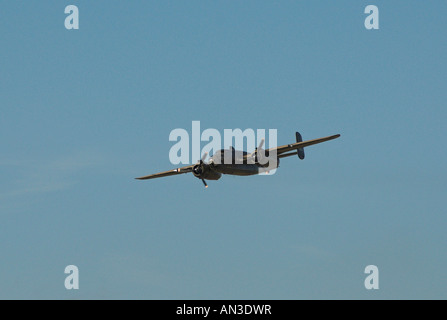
(299,145)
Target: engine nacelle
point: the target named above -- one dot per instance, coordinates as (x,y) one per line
(262,159)
(204,171)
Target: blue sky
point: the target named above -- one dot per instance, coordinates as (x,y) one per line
(85,111)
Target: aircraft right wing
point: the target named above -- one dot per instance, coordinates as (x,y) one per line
(168,173)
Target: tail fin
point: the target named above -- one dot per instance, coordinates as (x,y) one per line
(300,151)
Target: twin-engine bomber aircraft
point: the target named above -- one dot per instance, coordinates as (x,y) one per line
(241,163)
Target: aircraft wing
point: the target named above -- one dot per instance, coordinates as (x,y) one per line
(168,173)
(299,145)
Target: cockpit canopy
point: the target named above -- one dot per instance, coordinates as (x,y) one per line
(229,156)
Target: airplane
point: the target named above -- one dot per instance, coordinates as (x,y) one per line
(241,163)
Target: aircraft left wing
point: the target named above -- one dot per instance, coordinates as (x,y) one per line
(168,173)
(299,145)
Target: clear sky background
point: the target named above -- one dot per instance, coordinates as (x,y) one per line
(85,111)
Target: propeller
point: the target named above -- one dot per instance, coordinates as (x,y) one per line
(261,144)
(203,157)
(201,162)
